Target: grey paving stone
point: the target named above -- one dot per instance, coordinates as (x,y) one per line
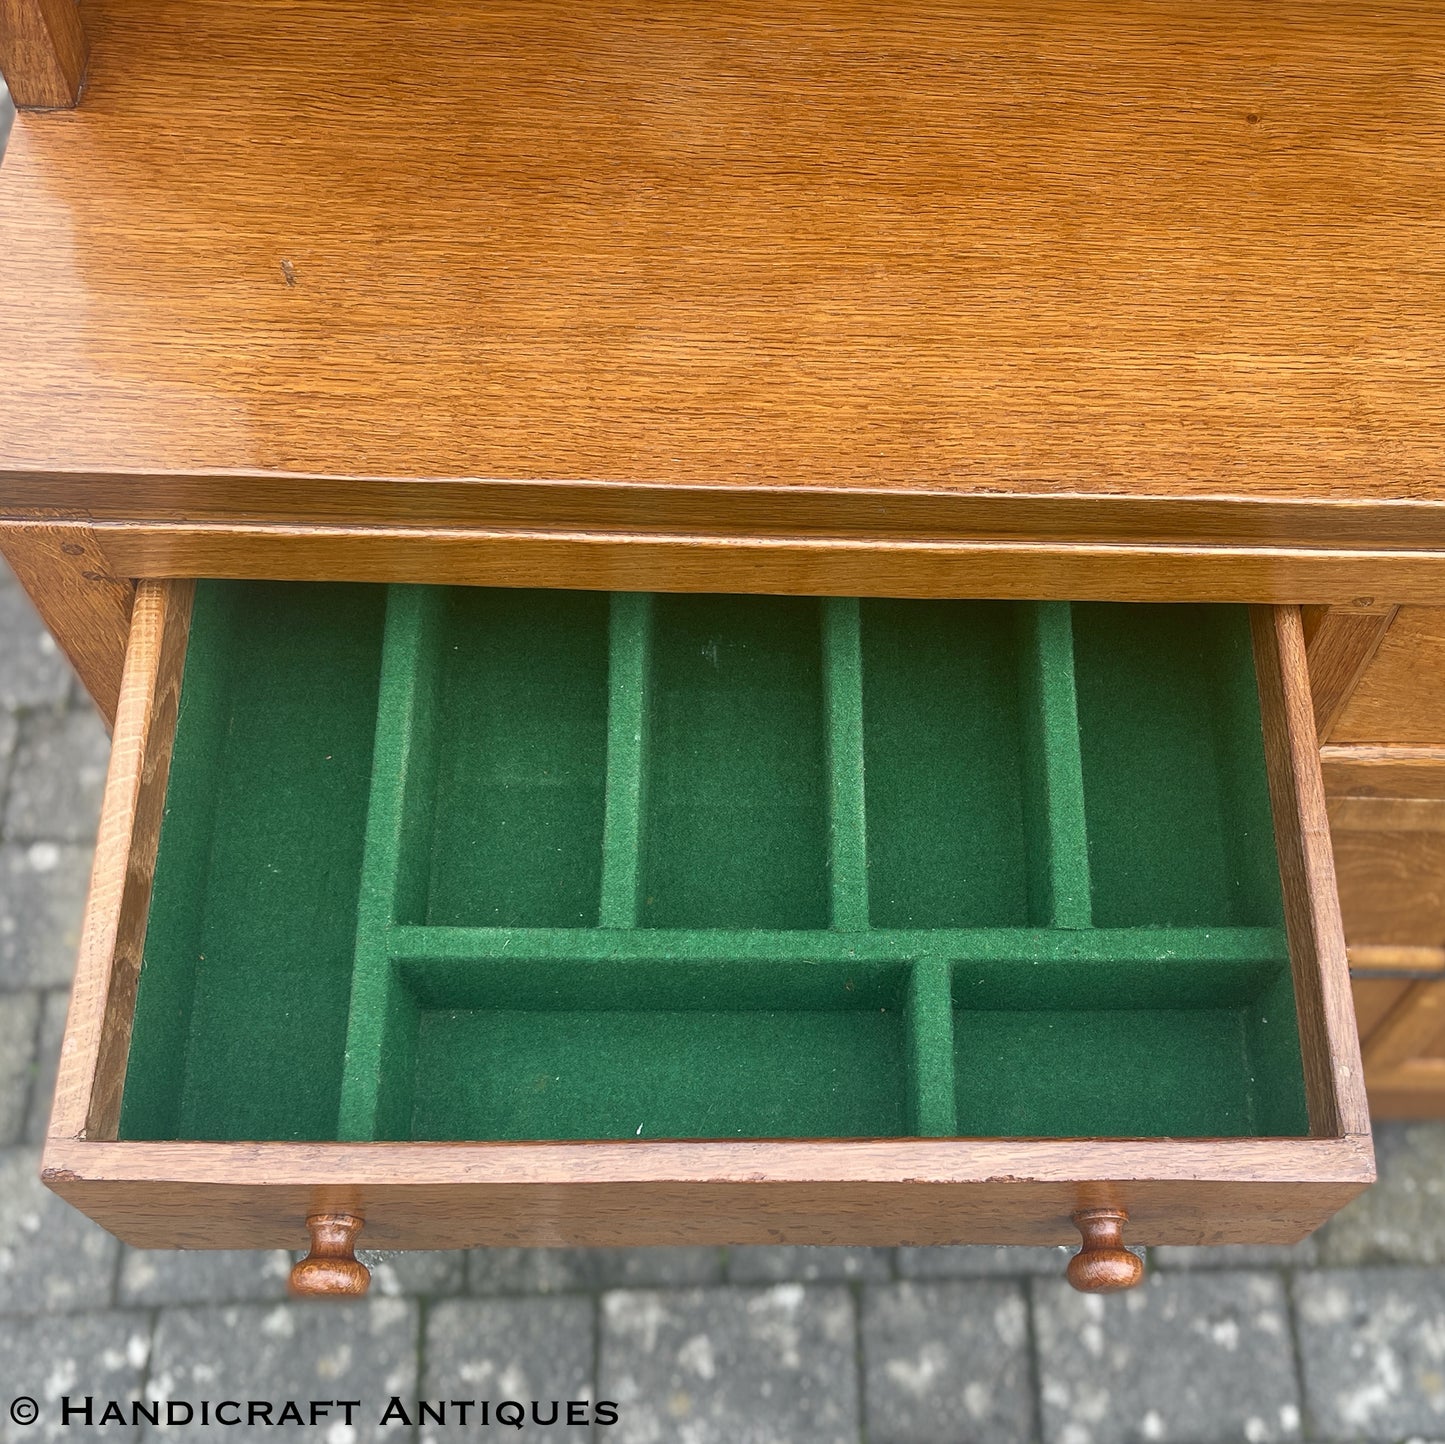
(1402,1218)
(201,1276)
(778,1264)
(947,1362)
(9,736)
(53,1357)
(419,1273)
(53,1007)
(511,1349)
(1203,1356)
(57,778)
(730,1366)
(52,1258)
(1305,1254)
(572,1270)
(322,1351)
(1372,1342)
(33,670)
(19,1024)
(981,1261)
(42,893)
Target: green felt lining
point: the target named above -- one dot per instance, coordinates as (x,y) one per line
(712,867)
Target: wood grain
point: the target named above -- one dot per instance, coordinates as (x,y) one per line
(1407,1032)
(656,1192)
(888,271)
(1400,699)
(814,565)
(1392,886)
(1329,1046)
(85,604)
(102,1004)
(1397,960)
(1340,644)
(909,1191)
(1387,814)
(1404,773)
(42,52)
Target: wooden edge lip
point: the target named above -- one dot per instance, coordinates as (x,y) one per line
(1267,1161)
(1055,512)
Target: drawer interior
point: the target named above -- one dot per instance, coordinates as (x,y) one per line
(468,863)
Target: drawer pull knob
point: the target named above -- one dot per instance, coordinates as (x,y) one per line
(330,1270)
(1103,1265)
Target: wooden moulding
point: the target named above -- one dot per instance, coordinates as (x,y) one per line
(917,1191)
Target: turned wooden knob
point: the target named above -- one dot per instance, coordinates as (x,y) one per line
(330,1270)
(1103,1265)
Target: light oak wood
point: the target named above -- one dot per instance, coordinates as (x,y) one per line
(1392,886)
(1387,814)
(1400,699)
(1369,959)
(42,52)
(767,562)
(1389,830)
(1384,771)
(1407,1032)
(655,1192)
(84,603)
(882,274)
(1341,643)
(1329,1045)
(102,1002)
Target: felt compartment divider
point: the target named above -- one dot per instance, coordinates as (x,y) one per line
(1057,836)
(929,1018)
(382,1024)
(629,679)
(848,828)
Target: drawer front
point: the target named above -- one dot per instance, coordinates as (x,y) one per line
(1387,815)
(1013,984)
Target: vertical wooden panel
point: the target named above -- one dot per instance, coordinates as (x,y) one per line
(42,52)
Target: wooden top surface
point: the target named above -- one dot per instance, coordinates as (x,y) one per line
(838,254)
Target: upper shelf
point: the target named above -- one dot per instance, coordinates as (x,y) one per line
(1116,259)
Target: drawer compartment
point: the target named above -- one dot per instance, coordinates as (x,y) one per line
(506,916)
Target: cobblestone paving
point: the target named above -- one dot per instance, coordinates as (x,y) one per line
(1341,1339)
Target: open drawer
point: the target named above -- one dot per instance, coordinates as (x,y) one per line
(479,917)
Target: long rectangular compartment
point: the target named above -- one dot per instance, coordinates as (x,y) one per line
(758,910)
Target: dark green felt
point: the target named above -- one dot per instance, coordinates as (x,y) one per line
(516,821)
(557,865)
(736,819)
(1175,791)
(943,743)
(1123,1073)
(613,1073)
(241,1014)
